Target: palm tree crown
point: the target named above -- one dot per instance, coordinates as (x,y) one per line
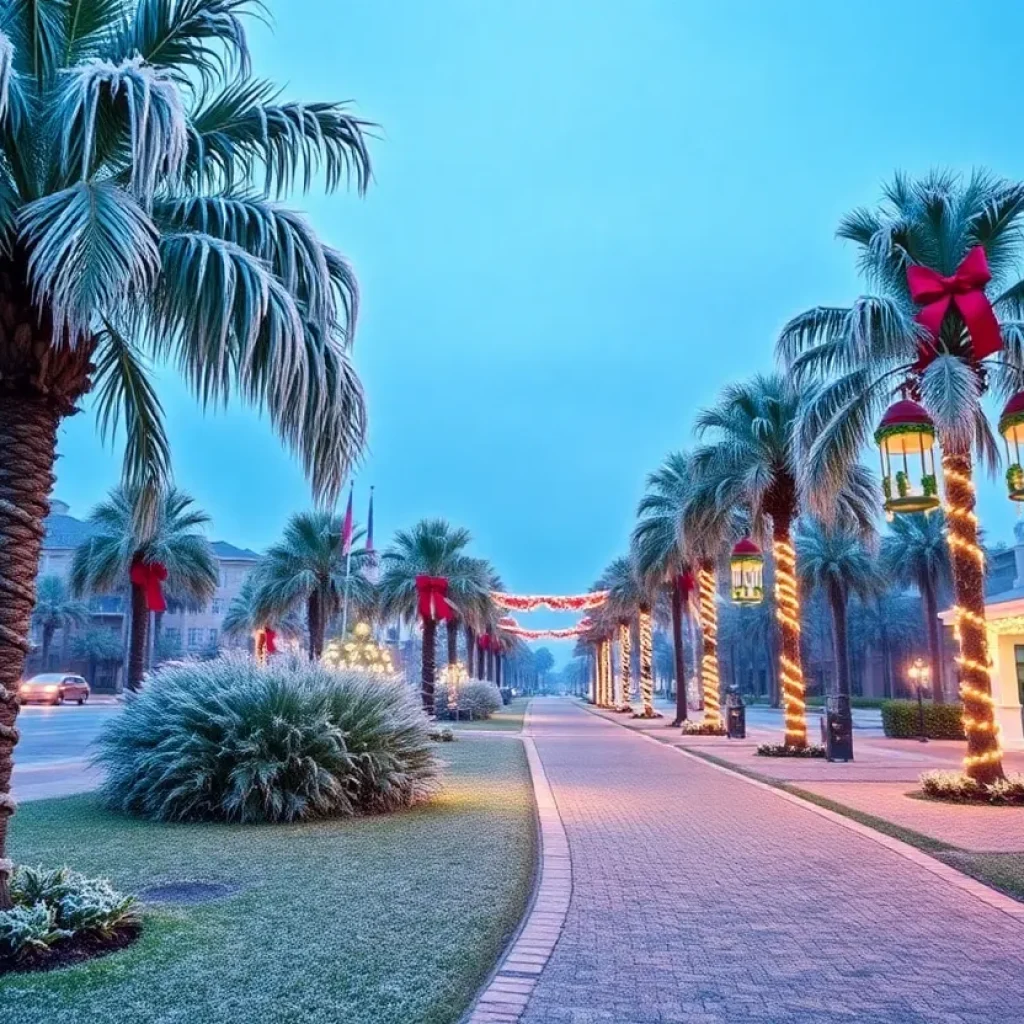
(56,609)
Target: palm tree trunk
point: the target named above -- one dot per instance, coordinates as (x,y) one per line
(137,638)
(931,611)
(984,762)
(428,665)
(497,669)
(452,626)
(470,638)
(646,662)
(158,629)
(677,653)
(787,614)
(841,650)
(47,641)
(625,668)
(709,642)
(312,623)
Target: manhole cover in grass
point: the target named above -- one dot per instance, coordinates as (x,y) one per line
(187,892)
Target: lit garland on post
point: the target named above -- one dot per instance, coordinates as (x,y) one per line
(709,635)
(646,663)
(787,614)
(609,678)
(625,666)
(983,762)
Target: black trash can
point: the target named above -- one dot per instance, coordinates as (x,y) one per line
(838,730)
(735,716)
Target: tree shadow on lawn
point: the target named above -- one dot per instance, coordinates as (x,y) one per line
(394,918)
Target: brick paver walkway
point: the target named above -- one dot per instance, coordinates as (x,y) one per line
(699,897)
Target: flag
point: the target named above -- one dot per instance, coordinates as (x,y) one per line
(371,573)
(346,530)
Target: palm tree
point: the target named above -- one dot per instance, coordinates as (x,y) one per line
(659,547)
(55,609)
(307,571)
(140,164)
(433,547)
(243,617)
(173,539)
(751,464)
(469,594)
(622,581)
(853,360)
(833,559)
(915,553)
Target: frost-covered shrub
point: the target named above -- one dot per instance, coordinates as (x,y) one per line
(691,728)
(477,699)
(961,788)
(52,906)
(233,740)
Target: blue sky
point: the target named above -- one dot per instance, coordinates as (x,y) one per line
(587,216)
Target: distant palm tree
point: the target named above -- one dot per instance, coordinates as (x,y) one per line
(55,609)
(173,538)
(751,464)
(243,617)
(889,625)
(659,548)
(852,361)
(469,593)
(915,553)
(433,547)
(631,596)
(140,164)
(835,561)
(306,572)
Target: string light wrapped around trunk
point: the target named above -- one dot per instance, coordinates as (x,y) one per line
(983,761)
(1011,426)
(709,636)
(787,614)
(906,444)
(609,677)
(646,662)
(625,663)
(747,566)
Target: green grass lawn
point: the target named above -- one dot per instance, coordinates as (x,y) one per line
(508,719)
(364,921)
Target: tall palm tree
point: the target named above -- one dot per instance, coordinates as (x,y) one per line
(751,463)
(55,609)
(473,609)
(173,538)
(307,571)
(834,560)
(659,548)
(915,553)
(139,164)
(245,615)
(852,361)
(433,547)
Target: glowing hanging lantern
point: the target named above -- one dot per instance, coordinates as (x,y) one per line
(906,441)
(747,564)
(1011,426)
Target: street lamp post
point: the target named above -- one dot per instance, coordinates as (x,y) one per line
(920,673)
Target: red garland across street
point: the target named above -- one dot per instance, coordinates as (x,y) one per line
(529,603)
(150,576)
(509,625)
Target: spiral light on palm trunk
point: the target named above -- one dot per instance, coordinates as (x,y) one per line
(625,667)
(983,761)
(787,613)
(646,663)
(709,635)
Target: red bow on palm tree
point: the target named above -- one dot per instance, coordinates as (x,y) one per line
(965,289)
(484,642)
(150,576)
(270,639)
(432,602)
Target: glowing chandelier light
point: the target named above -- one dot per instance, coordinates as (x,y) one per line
(531,602)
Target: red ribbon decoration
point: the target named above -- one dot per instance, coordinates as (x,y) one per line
(150,576)
(965,290)
(484,642)
(432,602)
(686,584)
(270,639)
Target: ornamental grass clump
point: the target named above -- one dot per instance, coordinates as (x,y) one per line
(233,740)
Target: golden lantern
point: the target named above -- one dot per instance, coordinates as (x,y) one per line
(747,565)
(906,442)
(1011,426)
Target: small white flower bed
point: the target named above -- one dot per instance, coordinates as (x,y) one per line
(958,787)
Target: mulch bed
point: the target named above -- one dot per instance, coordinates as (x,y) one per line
(76,950)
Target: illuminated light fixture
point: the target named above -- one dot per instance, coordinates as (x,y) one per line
(1011,426)
(906,442)
(359,652)
(747,564)
(531,602)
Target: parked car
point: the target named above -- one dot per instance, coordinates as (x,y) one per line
(53,688)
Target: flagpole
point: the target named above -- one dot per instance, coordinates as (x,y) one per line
(346,539)
(344,606)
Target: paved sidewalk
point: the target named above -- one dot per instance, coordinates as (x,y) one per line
(700,897)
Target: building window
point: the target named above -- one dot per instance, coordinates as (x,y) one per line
(213,637)
(195,637)
(172,636)
(1018,655)
(216,606)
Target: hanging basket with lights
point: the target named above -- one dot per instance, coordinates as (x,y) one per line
(747,565)
(1011,426)
(906,442)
